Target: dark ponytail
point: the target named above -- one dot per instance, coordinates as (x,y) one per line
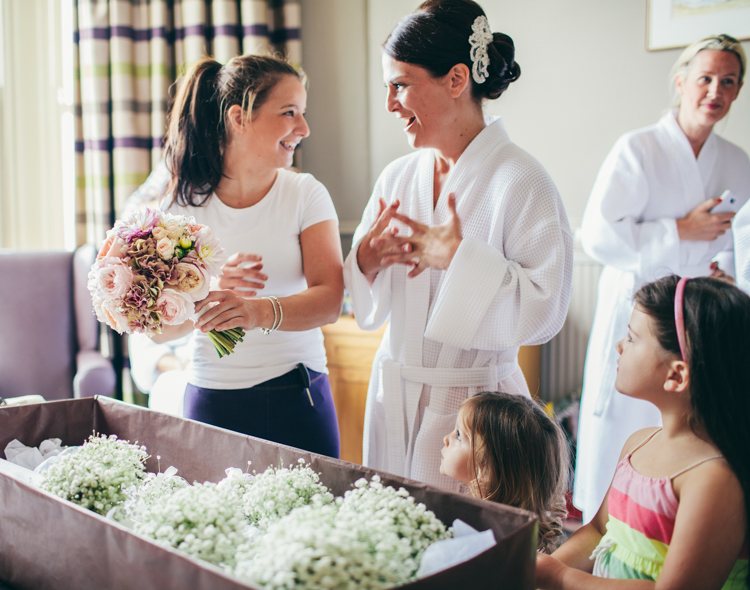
(197,134)
(717,349)
(436,37)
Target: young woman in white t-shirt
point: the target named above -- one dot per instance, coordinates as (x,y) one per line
(233,130)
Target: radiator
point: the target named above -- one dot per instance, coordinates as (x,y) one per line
(564,356)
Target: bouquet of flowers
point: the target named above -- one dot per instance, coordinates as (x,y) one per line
(151,270)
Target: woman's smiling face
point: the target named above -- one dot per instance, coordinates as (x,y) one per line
(709,87)
(278,125)
(418,98)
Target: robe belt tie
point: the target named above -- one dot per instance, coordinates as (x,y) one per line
(401,402)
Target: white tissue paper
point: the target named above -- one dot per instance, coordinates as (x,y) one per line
(24,462)
(466,543)
(29,457)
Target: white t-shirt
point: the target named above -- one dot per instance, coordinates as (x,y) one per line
(270,228)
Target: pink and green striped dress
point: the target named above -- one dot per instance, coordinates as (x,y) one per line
(642,513)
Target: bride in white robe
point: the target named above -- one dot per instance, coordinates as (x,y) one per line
(464,248)
(649,216)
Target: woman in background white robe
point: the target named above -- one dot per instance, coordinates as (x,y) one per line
(647,217)
(506,278)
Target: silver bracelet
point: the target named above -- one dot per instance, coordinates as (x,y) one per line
(281,312)
(267,331)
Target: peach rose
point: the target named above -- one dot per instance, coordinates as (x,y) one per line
(165,248)
(192,280)
(109,311)
(175,307)
(111,246)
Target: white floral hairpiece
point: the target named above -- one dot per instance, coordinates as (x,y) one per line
(479,39)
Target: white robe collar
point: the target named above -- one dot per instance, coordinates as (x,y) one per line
(698,170)
(486,143)
(491,138)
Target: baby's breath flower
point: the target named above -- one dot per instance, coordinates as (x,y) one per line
(268,496)
(200,520)
(97,476)
(372,538)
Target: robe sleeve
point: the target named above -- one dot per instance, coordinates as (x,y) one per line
(612,232)
(497,298)
(371,303)
(726,261)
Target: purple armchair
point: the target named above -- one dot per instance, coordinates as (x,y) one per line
(49,335)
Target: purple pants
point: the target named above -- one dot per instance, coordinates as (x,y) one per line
(278,410)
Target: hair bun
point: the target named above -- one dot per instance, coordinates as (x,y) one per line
(503,69)
(441,34)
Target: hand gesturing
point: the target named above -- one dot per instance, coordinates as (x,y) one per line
(370,254)
(426,247)
(241,274)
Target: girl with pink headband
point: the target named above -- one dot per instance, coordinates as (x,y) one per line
(676,514)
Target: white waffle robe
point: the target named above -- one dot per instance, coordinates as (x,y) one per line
(454,333)
(650,179)
(741,233)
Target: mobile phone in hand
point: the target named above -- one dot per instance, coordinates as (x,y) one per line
(729,203)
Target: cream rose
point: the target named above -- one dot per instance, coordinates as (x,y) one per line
(158,233)
(174,229)
(175,307)
(192,280)
(114,277)
(165,248)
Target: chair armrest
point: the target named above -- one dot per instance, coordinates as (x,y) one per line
(95,375)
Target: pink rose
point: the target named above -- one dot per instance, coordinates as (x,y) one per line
(113,277)
(192,280)
(175,307)
(165,248)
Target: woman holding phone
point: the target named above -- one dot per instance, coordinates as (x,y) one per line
(656,209)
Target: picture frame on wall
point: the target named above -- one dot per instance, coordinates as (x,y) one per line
(672,24)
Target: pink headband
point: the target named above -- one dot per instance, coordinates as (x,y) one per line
(679,317)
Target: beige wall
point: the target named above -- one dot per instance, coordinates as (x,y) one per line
(586,79)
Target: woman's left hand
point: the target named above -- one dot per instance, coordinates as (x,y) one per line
(429,246)
(229,310)
(720,274)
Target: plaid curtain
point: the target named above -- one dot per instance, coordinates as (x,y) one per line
(128,54)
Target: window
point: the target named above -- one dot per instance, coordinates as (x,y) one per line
(36,125)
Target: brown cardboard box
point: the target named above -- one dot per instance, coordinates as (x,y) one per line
(46,542)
